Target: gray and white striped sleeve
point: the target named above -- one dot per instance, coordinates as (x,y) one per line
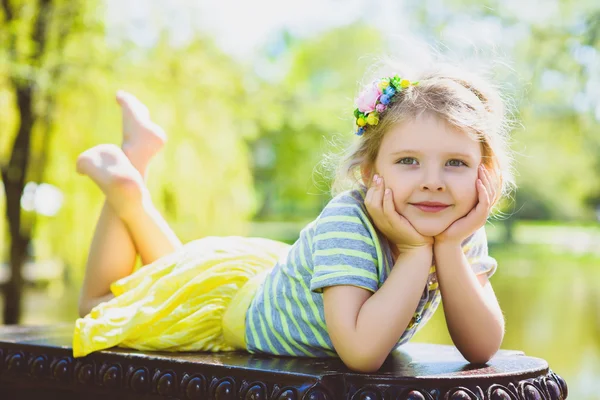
(344,252)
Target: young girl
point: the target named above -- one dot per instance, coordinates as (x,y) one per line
(428,165)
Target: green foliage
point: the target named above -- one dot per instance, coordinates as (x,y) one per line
(244,140)
(546,60)
(201,181)
(301,114)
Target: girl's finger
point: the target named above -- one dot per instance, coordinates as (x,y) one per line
(377,199)
(389,210)
(483,175)
(371,189)
(485,179)
(492,185)
(494,181)
(484,199)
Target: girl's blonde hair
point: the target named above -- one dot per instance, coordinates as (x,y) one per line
(464,100)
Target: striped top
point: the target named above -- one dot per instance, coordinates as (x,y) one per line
(340,247)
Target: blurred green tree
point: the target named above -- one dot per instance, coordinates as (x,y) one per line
(546,61)
(305,112)
(201,181)
(33,38)
(65,88)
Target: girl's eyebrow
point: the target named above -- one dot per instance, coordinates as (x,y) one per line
(449,154)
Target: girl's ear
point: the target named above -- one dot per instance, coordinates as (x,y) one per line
(366,173)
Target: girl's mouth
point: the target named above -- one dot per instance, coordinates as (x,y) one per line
(430,207)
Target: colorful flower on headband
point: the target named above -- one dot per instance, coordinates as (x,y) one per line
(368,99)
(376,98)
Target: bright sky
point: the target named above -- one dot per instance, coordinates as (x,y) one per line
(241,27)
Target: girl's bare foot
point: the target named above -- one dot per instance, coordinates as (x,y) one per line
(142,138)
(108,166)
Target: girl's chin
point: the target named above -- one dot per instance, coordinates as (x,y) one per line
(430,229)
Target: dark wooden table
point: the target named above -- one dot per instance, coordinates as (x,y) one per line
(37,363)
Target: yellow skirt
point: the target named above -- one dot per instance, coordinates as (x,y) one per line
(194,299)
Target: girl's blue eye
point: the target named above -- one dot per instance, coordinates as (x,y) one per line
(408,161)
(456,163)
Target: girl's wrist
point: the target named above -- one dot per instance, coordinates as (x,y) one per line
(424,248)
(417,255)
(447,244)
(440,249)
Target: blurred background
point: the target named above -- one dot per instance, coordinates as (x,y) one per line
(253,95)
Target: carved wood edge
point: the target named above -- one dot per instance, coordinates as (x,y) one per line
(547,387)
(85,374)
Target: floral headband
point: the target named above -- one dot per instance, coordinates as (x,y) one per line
(375,99)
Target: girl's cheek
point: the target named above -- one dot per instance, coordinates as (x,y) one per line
(398,203)
(467,188)
(472,195)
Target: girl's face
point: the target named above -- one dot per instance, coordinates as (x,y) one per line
(431,168)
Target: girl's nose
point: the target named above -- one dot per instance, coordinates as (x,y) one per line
(434,187)
(433,182)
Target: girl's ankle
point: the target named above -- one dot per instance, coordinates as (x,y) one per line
(133,200)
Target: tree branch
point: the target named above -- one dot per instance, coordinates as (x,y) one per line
(7,10)
(40,28)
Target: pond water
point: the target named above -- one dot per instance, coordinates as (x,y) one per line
(550,298)
(551,303)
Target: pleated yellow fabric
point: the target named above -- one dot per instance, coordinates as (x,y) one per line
(178,302)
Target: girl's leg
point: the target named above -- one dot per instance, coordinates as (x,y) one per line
(142,139)
(112,253)
(108,166)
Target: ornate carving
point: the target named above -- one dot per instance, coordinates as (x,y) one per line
(145,379)
(256,392)
(84,373)
(415,395)
(222,389)
(61,369)
(38,366)
(317,392)
(193,386)
(460,393)
(110,375)
(368,393)
(553,389)
(139,380)
(15,362)
(501,393)
(287,394)
(530,392)
(548,387)
(561,383)
(164,383)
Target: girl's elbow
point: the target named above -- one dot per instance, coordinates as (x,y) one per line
(482,351)
(481,358)
(482,354)
(364,361)
(363,366)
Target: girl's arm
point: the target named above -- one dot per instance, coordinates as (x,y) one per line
(364,327)
(473,316)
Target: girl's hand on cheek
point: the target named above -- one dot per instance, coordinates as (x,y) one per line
(476,218)
(380,205)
